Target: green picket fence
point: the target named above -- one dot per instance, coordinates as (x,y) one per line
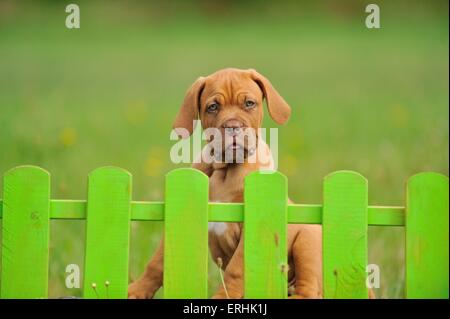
(26,210)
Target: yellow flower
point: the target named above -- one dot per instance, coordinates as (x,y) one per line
(136,113)
(399,115)
(68,137)
(154,164)
(289,165)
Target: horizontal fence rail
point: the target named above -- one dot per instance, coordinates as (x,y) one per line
(225,212)
(345,215)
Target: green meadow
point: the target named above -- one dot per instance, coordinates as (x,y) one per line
(373,101)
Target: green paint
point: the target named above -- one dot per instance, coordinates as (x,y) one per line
(304,214)
(345,235)
(147,211)
(68,209)
(107,233)
(26,194)
(265,248)
(26,209)
(386,216)
(226,212)
(427,236)
(186,234)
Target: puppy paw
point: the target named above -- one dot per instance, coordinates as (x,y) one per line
(313,294)
(304,297)
(139,290)
(221,294)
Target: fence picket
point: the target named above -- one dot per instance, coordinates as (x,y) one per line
(26,208)
(186,234)
(345,202)
(107,233)
(427,236)
(265,248)
(26,201)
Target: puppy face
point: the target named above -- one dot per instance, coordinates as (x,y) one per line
(231,100)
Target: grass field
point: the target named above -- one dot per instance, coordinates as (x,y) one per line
(374,101)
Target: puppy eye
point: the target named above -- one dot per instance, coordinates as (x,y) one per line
(249,104)
(213,107)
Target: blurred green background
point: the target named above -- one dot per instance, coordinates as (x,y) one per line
(371,100)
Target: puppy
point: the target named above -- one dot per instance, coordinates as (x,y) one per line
(231,101)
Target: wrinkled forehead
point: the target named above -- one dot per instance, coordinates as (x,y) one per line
(230,84)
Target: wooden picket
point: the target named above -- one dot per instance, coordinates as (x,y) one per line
(26,202)
(265,248)
(186,248)
(26,210)
(344,235)
(427,236)
(107,233)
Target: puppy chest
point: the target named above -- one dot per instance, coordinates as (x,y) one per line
(223,239)
(218,228)
(225,190)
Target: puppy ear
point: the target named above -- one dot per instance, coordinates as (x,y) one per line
(189,109)
(279,110)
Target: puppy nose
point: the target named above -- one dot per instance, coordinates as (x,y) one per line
(232,127)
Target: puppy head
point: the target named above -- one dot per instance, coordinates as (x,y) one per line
(231,100)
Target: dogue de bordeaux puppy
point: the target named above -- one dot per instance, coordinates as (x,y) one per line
(231,100)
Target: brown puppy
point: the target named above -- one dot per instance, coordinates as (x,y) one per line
(231,100)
